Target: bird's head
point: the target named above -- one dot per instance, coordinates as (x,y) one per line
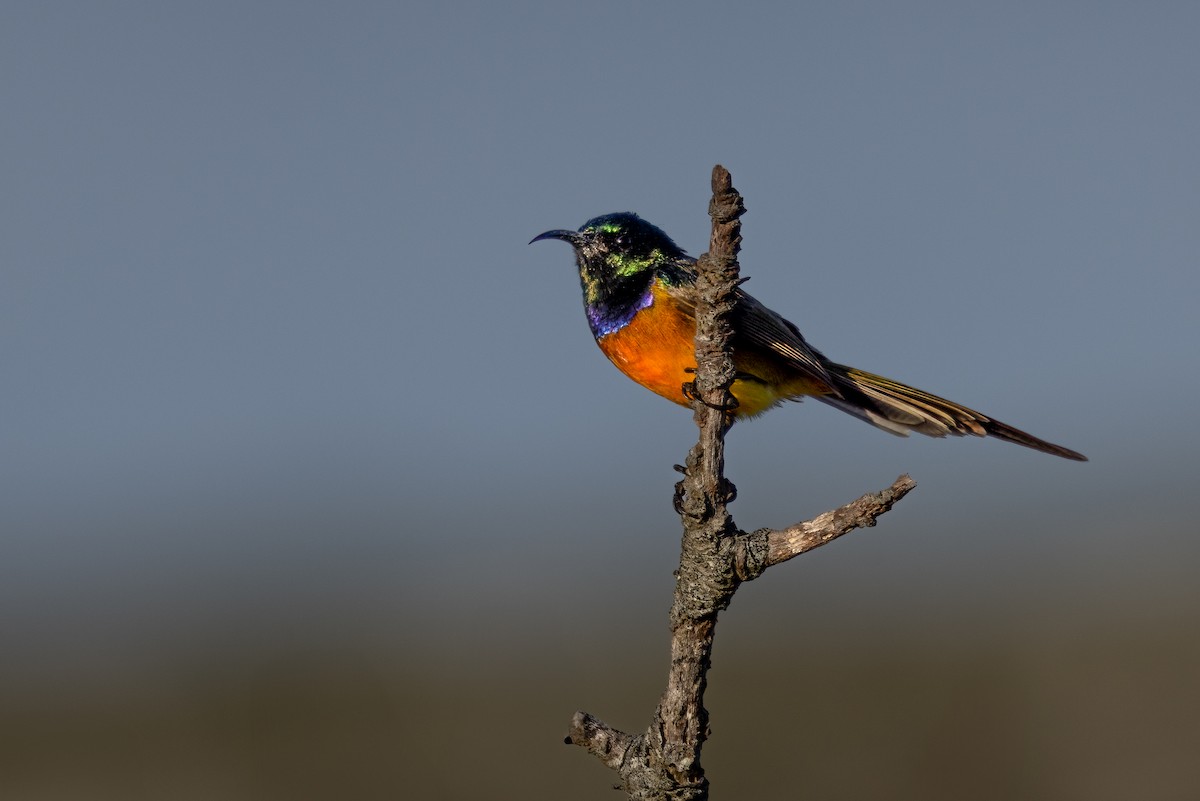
(619,257)
(618,246)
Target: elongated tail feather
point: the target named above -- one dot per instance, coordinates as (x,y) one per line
(898,409)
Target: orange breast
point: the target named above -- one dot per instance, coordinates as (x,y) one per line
(657,349)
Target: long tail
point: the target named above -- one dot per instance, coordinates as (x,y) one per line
(899,408)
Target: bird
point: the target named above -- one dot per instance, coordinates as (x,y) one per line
(639,294)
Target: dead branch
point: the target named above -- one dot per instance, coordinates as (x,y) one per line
(663,762)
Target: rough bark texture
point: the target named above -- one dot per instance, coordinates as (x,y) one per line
(664,761)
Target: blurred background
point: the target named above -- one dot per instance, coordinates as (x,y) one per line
(315,486)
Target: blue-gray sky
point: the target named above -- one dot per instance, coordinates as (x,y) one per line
(272,338)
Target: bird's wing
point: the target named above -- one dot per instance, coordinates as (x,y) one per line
(768,330)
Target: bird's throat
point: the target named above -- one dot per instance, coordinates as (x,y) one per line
(611,314)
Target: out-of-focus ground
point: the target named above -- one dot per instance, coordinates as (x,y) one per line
(1046,713)
(1036,694)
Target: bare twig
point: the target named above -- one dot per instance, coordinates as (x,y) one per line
(606,744)
(759,550)
(715,557)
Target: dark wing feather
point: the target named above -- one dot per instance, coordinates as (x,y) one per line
(770,331)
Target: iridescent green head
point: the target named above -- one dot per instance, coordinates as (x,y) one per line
(620,244)
(619,255)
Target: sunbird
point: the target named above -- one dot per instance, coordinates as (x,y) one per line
(640,298)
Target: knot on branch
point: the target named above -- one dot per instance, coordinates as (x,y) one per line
(752,554)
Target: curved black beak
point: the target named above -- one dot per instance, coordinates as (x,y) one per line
(570,237)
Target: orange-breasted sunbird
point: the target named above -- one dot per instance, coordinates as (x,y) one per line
(640,297)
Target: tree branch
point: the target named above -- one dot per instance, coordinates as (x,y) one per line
(715,557)
(606,744)
(761,549)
